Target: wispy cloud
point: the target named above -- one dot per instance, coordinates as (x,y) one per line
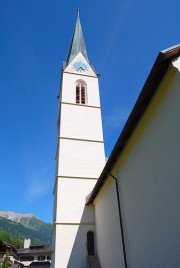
(113,123)
(39,184)
(123,11)
(115,118)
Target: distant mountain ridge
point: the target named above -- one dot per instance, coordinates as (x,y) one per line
(14,216)
(27,220)
(17,227)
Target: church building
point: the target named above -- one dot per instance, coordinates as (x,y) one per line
(123,213)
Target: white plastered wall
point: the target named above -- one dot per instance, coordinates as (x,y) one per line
(81,122)
(71,201)
(148,177)
(68,255)
(80,160)
(108,235)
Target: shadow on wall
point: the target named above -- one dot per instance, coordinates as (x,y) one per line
(78,257)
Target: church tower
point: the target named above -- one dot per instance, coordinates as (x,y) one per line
(80,156)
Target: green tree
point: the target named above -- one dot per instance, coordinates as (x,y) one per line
(6,262)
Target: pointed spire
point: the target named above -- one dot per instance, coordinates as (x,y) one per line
(77,42)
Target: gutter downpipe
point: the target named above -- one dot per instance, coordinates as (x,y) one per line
(120,220)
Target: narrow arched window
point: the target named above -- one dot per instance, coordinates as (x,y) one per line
(80,93)
(90,243)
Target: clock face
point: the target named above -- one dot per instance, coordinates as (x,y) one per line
(80,66)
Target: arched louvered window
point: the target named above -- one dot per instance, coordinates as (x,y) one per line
(80,93)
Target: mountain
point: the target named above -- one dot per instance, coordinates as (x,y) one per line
(27,220)
(15,227)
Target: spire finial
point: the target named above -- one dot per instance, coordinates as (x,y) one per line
(78,11)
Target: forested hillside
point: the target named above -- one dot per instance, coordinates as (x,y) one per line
(14,233)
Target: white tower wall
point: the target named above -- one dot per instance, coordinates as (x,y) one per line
(80,159)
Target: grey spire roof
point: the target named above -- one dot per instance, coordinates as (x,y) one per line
(77,42)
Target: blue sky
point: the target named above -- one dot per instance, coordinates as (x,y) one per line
(122,38)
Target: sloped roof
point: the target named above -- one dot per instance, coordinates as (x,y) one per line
(77,42)
(37,264)
(156,75)
(35,249)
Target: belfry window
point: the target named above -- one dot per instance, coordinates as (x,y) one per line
(80,93)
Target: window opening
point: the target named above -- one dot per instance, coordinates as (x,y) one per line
(80,93)
(77,94)
(90,243)
(27,258)
(41,258)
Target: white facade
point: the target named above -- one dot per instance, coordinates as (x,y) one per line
(34,254)
(108,234)
(80,159)
(149,188)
